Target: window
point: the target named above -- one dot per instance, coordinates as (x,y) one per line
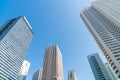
(6,26)
(114,67)
(116,72)
(70,75)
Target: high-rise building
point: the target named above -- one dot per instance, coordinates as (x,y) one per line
(110,71)
(98,68)
(102,19)
(53,67)
(15,37)
(38,74)
(72,75)
(24,70)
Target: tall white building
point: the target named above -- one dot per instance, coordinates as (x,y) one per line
(15,37)
(52,67)
(24,70)
(72,75)
(103,21)
(38,74)
(98,68)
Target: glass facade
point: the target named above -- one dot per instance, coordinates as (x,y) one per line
(15,38)
(98,68)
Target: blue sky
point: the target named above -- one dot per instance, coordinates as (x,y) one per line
(55,22)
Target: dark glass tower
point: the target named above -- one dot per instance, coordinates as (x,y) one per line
(98,68)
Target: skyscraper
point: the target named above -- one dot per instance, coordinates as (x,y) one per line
(103,21)
(53,67)
(15,37)
(24,70)
(98,68)
(72,75)
(38,74)
(110,71)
